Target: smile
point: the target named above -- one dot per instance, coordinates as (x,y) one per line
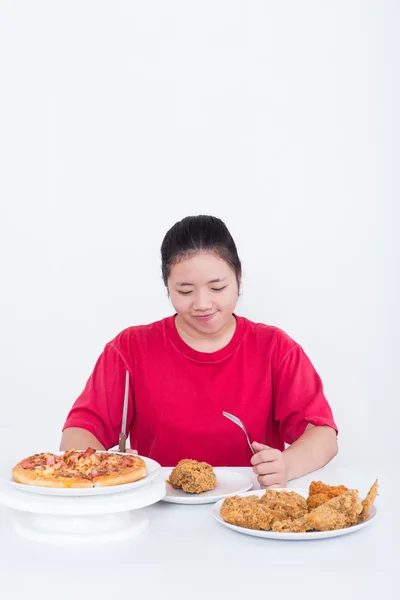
(205,317)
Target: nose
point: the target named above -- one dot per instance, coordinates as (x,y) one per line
(202,301)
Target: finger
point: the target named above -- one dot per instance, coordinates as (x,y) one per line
(266,468)
(131,451)
(271,480)
(268,455)
(257,446)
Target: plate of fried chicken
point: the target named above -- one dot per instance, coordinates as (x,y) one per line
(298,514)
(194,482)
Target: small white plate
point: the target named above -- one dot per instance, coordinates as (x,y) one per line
(153,469)
(275,535)
(228,483)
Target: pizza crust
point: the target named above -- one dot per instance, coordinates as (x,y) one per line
(31,477)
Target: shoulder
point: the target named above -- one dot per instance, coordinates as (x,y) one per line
(266,336)
(269,333)
(151,333)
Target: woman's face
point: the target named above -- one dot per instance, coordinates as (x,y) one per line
(204,292)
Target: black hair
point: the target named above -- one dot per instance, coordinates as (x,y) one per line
(201,233)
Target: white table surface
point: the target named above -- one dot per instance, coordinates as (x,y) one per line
(185,553)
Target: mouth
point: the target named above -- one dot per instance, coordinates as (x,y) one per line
(205,317)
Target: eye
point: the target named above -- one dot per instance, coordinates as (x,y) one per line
(218,289)
(184,293)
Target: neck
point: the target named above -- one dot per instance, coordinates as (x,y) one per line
(206,342)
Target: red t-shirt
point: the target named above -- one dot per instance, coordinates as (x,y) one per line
(177,394)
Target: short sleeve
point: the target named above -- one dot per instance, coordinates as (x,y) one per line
(99,407)
(299,397)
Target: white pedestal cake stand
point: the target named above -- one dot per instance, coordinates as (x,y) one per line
(100,518)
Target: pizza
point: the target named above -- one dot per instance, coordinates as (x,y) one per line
(79,469)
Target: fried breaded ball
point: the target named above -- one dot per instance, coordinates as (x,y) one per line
(192,476)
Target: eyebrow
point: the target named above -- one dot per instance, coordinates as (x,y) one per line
(186,283)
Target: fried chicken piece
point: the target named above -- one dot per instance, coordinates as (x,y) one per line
(246,512)
(318,487)
(261,513)
(192,476)
(289,526)
(316,500)
(319,493)
(337,513)
(368,501)
(284,505)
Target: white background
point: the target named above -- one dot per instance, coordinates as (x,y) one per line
(120,118)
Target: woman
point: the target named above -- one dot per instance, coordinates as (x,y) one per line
(186,369)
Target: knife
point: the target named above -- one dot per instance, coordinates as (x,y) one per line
(122,435)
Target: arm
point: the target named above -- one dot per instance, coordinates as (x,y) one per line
(79,439)
(313,450)
(303,417)
(95,419)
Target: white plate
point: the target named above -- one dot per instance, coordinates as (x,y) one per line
(309,535)
(153,469)
(228,483)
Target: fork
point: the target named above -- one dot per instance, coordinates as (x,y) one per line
(241,425)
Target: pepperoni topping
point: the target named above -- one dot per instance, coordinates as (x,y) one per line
(88,452)
(37,460)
